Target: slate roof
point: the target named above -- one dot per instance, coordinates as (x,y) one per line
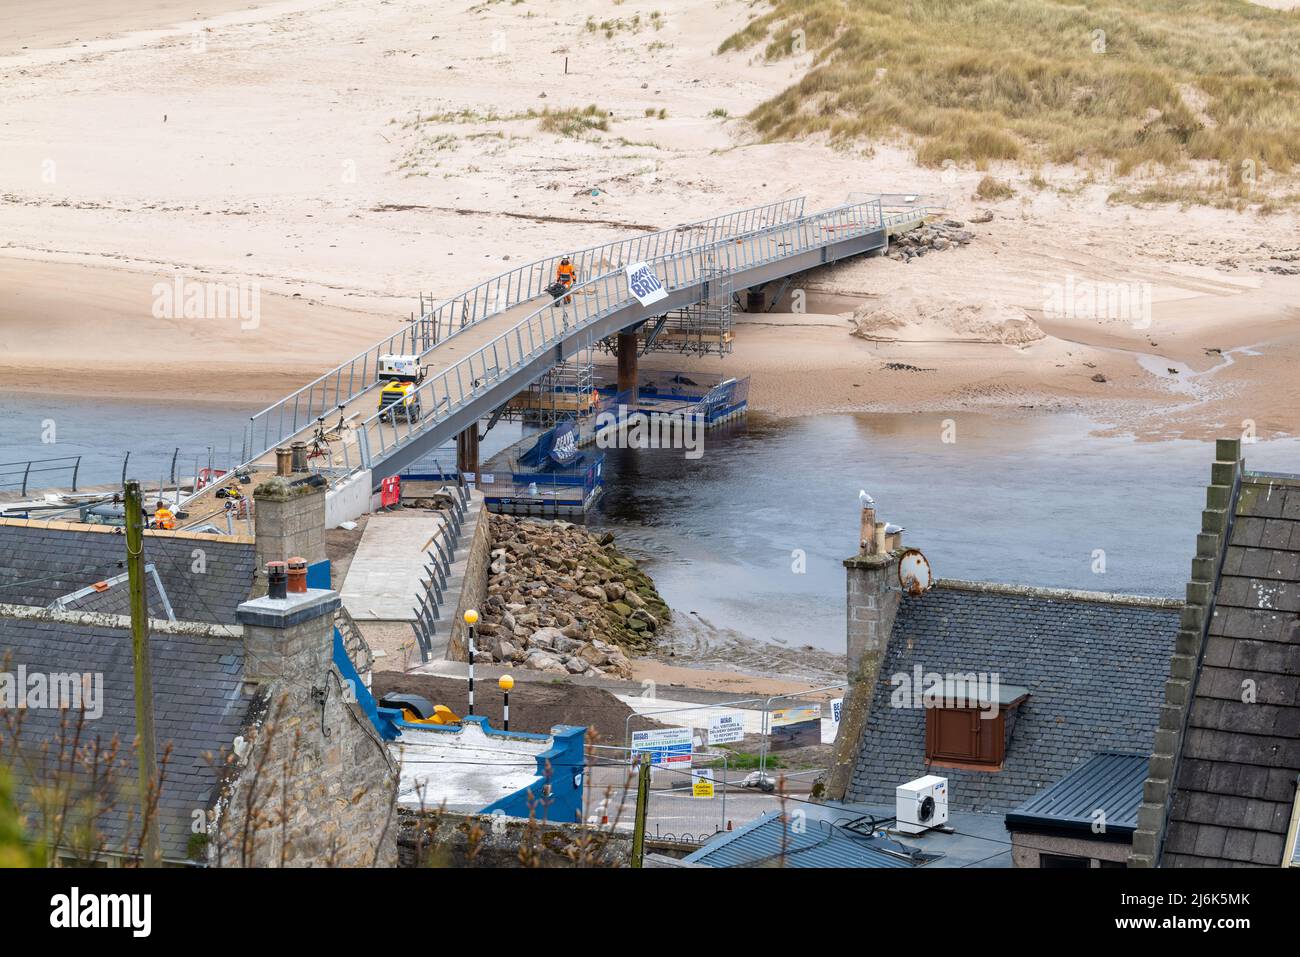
(115,598)
(1236,780)
(1095,667)
(1109,782)
(43,562)
(199,707)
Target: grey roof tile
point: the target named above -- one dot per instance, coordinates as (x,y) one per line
(1095,673)
(205,722)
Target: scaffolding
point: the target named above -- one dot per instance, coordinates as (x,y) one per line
(701,329)
(562,392)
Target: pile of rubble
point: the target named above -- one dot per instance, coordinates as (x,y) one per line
(562,601)
(934,237)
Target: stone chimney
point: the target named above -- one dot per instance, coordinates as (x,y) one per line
(873,598)
(873,593)
(288,632)
(289,521)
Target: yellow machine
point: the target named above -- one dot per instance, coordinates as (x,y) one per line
(419,710)
(401,374)
(399,399)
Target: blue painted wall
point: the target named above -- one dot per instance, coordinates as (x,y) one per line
(557,793)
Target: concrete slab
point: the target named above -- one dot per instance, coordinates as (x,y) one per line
(384,577)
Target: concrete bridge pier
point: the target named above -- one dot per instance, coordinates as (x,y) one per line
(627,360)
(467,451)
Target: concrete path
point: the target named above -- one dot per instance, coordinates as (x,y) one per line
(384,577)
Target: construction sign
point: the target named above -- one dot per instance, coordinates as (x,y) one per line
(702,783)
(644,284)
(726,729)
(667,747)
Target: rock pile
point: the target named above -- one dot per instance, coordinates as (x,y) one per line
(929,237)
(564,602)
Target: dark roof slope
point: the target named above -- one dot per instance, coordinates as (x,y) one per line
(1109,783)
(1094,665)
(199,707)
(772,841)
(1236,781)
(115,597)
(45,561)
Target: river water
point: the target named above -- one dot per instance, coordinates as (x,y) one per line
(750,536)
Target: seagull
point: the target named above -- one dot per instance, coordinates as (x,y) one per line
(892,529)
(865,500)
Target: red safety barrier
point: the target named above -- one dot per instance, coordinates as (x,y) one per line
(390,492)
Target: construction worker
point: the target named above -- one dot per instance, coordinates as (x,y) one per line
(565,275)
(163,517)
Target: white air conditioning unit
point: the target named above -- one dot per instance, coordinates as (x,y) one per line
(921,804)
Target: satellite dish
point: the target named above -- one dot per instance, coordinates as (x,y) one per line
(914,572)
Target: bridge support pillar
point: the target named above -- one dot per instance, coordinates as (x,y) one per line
(627,365)
(467,451)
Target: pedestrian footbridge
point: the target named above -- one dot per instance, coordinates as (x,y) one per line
(482,347)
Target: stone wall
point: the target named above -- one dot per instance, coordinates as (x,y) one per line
(473,589)
(318,789)
(1027,849)
(440,839)
(310,782)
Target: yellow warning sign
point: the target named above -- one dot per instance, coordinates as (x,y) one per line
(702,783)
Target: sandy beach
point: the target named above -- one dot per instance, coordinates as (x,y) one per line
(341,157)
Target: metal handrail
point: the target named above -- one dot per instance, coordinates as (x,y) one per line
(351,378)
(447,391)
(26,470)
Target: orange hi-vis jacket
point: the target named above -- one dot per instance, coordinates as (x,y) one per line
(565,273)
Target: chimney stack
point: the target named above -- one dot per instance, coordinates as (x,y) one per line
(289,520)
(873,598)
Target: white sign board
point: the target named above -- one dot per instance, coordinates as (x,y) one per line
(726,729)
(837,707)
(667,747)
(644,284)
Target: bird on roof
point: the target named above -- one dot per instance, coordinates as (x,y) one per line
(865,500)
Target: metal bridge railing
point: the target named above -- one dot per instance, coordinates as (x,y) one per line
(449,390)
(18,475)
(322,396)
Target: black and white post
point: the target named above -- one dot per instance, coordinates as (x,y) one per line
(505,683)
(471,619)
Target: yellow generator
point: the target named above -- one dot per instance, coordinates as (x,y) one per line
(399,396)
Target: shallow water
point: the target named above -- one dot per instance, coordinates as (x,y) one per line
(1033,500)
(102,432)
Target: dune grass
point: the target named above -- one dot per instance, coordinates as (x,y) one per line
(1139,84)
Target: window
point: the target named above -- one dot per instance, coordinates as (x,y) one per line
(1063,861)
(962,733)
